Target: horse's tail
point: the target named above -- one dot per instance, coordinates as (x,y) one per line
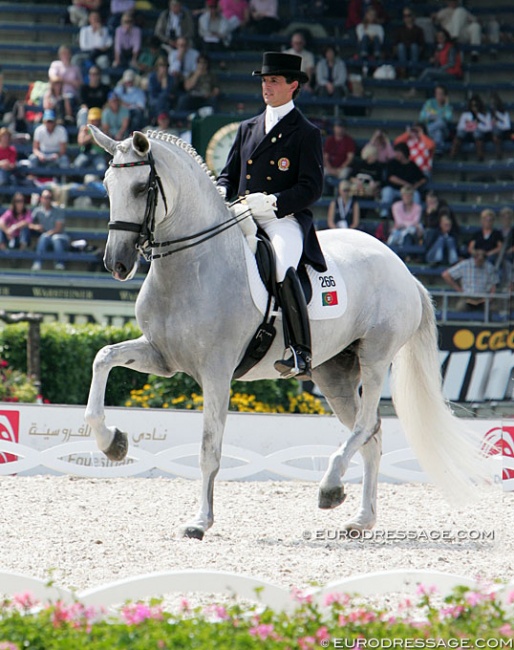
(445,448)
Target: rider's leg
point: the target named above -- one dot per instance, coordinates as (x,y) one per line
(286,237)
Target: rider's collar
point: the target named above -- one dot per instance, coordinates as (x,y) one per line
(275,113)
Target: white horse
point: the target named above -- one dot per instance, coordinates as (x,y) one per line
(197,316)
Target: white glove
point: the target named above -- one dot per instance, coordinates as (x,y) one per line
(262,206)
(222,191)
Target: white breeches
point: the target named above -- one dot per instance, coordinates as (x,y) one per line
(286,237)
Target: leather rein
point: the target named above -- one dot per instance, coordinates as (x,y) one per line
(145,229)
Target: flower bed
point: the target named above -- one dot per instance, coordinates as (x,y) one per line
(465,619)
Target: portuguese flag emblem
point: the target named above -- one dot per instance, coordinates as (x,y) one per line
(329,298)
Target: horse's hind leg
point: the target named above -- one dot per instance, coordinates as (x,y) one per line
(136,354)
(365,437)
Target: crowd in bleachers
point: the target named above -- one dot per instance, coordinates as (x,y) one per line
(132,68)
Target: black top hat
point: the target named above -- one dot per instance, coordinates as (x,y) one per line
(286,65)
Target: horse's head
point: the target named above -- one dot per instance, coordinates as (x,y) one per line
(133,187)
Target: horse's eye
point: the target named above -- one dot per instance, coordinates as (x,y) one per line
(139,189)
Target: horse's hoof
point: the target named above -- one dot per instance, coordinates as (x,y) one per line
(332,498)
(192,532)
(118,447)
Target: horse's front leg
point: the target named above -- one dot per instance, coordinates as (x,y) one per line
(216,400)
(136,354)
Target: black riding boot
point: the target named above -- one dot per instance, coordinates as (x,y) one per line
(297,334)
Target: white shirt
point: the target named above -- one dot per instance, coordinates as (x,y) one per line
(275,113)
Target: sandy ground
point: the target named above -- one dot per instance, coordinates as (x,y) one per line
(89,532)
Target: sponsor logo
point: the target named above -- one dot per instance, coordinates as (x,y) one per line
(500,441)
(9,431)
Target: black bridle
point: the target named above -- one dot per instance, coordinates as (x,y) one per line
(146,228)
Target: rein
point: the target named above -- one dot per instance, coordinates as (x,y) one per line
(145,229)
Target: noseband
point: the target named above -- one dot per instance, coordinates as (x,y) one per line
(146,228)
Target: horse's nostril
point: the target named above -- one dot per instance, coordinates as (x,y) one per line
(120,268)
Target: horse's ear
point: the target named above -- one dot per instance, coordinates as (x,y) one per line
(140,143)
(103,140)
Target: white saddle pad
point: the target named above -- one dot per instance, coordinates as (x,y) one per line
(329,297)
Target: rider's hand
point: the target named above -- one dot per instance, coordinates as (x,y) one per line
(262,206)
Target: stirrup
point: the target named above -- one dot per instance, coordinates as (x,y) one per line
(297,366)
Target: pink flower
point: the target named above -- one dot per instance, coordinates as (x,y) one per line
(6,645)
(506,630)
(184,605)
(341,599)
(263,631)
(322,634)
(306,642)
(300,596)
(510,597)
(25,600)
(218,611)
(473,598)
(134,614)
(426,591)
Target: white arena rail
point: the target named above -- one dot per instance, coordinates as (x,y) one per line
(155,585)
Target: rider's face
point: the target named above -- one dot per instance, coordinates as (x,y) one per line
(276,91)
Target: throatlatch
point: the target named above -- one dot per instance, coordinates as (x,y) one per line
(297,333)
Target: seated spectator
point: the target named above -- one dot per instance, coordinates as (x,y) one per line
(174,23)
(489,239)
(90,154)
(236,13)
(53,99)
(117,9)
(182,61)
(472,277)
(460,24)
(298,48)
(474,125)
(357,9)
(437,116)
(163,124)
(201,88)
(133,98)
(115,118)
(338,154)
(127,43)
(401,171)
(95,43)
(48,224)
(71,77)
(149,55)
(366,174)
(407,228)
(50,143)
(213,28)
(500,123)
(331,74)
(380,140)
(79,10)
(8,156)
(421,147)
(445,64)
(433,208)
(93,94)
(408,45)
(14,224)
(444,249)
(370,37)
(162,90)
(344,210)
(264,17)
(506,257)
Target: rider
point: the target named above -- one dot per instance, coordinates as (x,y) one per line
(276,165)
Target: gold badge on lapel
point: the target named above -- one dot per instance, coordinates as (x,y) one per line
(284,164)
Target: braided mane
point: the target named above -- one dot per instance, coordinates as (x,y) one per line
(182,144)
